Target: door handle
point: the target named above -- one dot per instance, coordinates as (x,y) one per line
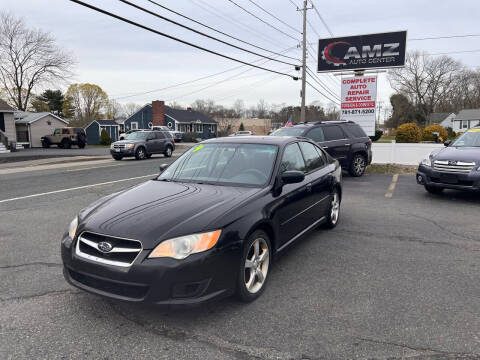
(309,187)
(347,144)
(324,147)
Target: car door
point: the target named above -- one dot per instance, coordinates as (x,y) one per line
(292,201)
(151,143)
(319,180)
(336,143)
(56,136)
(162,140)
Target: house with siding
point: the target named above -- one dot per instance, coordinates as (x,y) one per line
(7,126)
(94,130)
(466,119)
(158,114)
(31,127)
(443,119)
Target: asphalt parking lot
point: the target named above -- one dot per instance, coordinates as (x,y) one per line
(398,278)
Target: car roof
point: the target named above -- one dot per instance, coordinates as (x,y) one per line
(256,139)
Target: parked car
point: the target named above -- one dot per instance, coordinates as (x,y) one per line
(208,226)
(176,135)
(143,144)
(343,140)
(123,135)
(243,133)
(65,138)
(457,166)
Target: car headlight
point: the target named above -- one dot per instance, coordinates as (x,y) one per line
(183,246)
(129,146)
(111,146)
(427,161)
(72,229)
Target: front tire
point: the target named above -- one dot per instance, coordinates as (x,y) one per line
(333,211)
(140,154)
(254,266)
(358,165)
(433,189)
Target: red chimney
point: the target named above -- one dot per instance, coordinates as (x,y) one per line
(158,113)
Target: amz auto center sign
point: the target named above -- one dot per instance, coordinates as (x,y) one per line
(360,52)
(359,96)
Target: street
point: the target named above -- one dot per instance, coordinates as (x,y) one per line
(398,278)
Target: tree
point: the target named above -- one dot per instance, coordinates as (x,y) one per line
(403,111)
(130,109)
(29,59)
(239,108)
(85,103)
(38,105)
(54,99)
(115,110)
(425,80)
(241,127)
(105,139)
(262,109)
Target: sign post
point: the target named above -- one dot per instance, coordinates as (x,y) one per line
(358,101)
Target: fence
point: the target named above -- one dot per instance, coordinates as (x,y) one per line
(404,154)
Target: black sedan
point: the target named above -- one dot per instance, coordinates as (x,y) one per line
(208,226)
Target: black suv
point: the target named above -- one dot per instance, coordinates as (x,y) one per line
(142,144)
(343,140)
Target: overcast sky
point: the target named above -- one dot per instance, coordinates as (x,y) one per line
(125,60)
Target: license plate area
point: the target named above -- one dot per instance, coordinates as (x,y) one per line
(449,179)
(117,150)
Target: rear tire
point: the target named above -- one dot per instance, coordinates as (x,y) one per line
(254,266)
(81,145)
(168,151)
(66,144)
(433,189)
(333,215)
(140,154)
(358,165)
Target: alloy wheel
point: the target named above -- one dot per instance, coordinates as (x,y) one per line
(335,208)
(256,265)
(169,151)
(359,165)
(141,153)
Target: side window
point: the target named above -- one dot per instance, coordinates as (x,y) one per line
(356,130)
(313,159)
(56,132)
(160,135)
(333,132)
(292,159)
(316,134)
(65,132)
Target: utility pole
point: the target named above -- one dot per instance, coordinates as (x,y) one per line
(304,61)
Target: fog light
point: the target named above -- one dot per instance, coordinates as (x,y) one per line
(420,179)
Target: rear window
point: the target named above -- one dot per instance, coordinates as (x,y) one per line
(355,130)
(288,131)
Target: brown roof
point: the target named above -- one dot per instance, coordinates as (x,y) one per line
(5,107)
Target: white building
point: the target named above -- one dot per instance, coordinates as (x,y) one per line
(466,119)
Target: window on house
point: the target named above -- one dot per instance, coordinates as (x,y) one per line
(134,125)
(199,128)
(2,122)
(464,124)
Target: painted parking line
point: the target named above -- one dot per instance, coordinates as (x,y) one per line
(75,188)
(95,167)
(391,188)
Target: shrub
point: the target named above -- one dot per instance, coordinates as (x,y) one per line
(451,133)
(377,136)
(241,127)
(105,139)
(429,130)
(190,137)
(408,133)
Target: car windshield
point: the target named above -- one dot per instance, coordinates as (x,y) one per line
(223,163)
(288,131)
(139,135)
(469,139)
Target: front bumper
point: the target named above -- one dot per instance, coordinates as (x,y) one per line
(123,152)
(426,175)
(192,281)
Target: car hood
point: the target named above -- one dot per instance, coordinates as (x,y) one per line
(466,154)
(158,210)
(129,142)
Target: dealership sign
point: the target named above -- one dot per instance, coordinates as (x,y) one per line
(360,52)
(359,95)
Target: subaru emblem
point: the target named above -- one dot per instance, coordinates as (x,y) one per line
(452,162)
(105,246)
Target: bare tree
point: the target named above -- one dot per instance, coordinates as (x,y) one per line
(262,109)
(425,80)
(115,110)
(239,108)
(130,109)
(29,59)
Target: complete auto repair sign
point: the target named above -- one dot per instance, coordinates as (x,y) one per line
(359,96)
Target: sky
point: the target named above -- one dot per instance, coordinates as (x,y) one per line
(125,60)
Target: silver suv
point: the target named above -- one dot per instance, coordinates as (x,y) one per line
(143,144)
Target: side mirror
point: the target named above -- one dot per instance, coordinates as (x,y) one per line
(163,167)
(292,177)
(447,143)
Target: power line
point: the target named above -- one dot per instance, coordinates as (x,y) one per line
(444,37)
(275,17)
(455,52)
(325,96)
(175,38)
(199,32)
(335,80)
(263,21)
(218,31)
(321,18)
(319,82)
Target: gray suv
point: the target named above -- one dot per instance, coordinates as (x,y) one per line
(143,144)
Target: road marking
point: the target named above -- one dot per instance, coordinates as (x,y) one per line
(52,166)
(391,188)
(75,188)
(94,167)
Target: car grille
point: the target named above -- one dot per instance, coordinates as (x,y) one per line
(121,289)
(457,167)
(123,252)
(119,146)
